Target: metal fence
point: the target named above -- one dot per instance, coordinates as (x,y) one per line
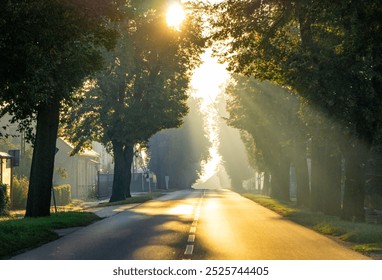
(139,183)
(104,185)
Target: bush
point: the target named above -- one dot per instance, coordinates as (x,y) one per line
(62,194)
(19,192)
(4,200)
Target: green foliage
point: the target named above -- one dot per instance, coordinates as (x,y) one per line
(369,248)
(4,200)
(273,204)
(264,110)
(329,52)
(267,116)
(324,51)
(42,65)
(329,229)
(62,172)
(21,234)
(305,47)
(142,90)
(20,192)
(41,62)
(347,231)
(144,87)
(62,194)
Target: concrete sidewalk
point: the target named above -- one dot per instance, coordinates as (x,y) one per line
(102,212)
(89,206)
(108,211)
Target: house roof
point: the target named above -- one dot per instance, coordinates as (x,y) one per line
(5,155)
(86,152)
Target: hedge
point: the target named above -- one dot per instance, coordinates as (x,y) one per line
(19,192)
(62,194)
(4,200)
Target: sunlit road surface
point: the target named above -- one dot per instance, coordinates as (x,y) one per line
(232,227)
(211,224)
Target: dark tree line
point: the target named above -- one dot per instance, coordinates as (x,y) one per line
(267,116)
(327,53)
(233,155)
(177,153)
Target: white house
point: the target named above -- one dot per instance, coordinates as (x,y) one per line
(79,171)
(6,170)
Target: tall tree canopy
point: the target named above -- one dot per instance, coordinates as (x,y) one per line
(144,88)
(323,50)
(47,50)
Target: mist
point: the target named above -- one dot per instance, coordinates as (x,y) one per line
(227,164)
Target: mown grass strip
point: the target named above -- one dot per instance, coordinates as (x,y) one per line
(272,204)
(20,234)
(369,248)
(367,238)
(17,235)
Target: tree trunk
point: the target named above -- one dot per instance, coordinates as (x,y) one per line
(40,186)
(373,188)
(123,159)
(302,178)
(318,179)
(332,188)
(280,180)
(354,195)
(302,174)
(285,180)
(237,184)
(266,184)
(305,24)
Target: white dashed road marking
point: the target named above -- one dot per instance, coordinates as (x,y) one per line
(192,229)
(189,250)
(191,238)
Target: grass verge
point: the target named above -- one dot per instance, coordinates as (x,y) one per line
(17,235)
(364,238)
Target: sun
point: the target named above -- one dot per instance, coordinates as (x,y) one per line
(175,15)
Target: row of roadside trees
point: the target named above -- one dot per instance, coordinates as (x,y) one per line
(177,153)
(327,55)
(110,71)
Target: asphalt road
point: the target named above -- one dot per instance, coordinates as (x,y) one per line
(210,224)
(232,227)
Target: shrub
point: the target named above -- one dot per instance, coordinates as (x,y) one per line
(4,200)
(19,192)
(62,194)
